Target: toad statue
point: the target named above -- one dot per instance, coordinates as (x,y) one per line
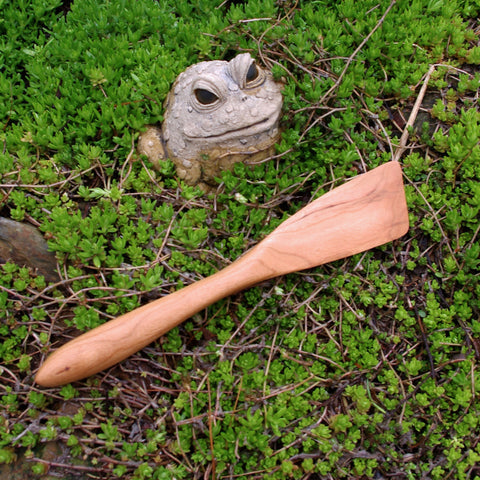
(216,114)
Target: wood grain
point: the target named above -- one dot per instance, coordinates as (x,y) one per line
(365,212)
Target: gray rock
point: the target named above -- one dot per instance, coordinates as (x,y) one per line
(24,245)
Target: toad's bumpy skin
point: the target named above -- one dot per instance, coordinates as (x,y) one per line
(217,113)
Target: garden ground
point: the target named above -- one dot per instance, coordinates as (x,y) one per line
(363,368)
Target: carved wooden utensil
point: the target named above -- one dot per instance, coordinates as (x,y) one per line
(365,212)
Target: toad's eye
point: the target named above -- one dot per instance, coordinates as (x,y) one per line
(252,73)
(205,97)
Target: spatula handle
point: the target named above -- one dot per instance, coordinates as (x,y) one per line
(117,339)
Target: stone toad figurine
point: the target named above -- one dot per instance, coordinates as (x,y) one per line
(217,113)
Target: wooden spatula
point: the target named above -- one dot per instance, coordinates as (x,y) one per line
(365,212)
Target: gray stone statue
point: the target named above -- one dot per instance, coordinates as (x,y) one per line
(216,114)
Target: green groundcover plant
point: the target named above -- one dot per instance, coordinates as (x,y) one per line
(363,368)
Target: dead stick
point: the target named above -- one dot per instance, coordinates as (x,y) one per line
(413,116)
(354,54)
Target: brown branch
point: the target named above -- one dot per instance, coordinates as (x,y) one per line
(354,54)
(413,116)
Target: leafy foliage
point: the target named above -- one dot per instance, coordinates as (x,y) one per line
(364,368)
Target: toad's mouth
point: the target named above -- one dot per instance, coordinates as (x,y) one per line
(256,128)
